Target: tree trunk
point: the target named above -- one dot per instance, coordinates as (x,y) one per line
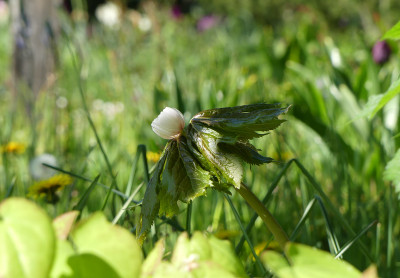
(34,29)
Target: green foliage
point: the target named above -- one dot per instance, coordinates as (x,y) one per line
(393,33)
(377,102)
(198,257)
(209,153)
(97,240)
(178,176)
(29,247)
(27,240)
(392,171)
(95,248)
(128,76)
(303,261)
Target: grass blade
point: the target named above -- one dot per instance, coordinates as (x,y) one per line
(10,189)
(141,150)
(91,123)
(332,208)
(122,195)
(332,239)
(126,204)
(353,240)
(82,202)
(302,219)
(261,266)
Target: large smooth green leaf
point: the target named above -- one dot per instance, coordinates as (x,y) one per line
(89,265)
(392,171)
(106,247)
(197,248)
(307,262)
(154,259)
(224,254)
(196,257)
(393,33)
(27,240)
(61,267)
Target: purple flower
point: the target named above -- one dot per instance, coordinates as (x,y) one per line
(207,22)
(176,12)
(381,52)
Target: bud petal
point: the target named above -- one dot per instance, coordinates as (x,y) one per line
(169,124)
(381,52)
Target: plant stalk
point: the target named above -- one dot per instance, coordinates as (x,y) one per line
(272,225)
(189,218)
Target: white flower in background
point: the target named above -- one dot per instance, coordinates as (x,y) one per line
(111,109)
(61,102)
(391,113)
(169,124)
(109,14)
(336,59)
(141,21)
(108,109)
(98,104)
(41,172)
(144,24)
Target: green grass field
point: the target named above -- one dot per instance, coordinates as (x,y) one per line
(327,188)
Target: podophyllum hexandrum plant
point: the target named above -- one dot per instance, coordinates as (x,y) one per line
(208,153)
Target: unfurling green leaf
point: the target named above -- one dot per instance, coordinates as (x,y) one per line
(227,166)
(178,176)
(209,153)
(242,122)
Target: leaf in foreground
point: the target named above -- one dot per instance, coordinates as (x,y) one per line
(110,251)
(307,262)
(27,240)
(196,257)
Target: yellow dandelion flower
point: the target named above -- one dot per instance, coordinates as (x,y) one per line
(153,157)
(13,147)
(226,234)
(48,188)
(259,248)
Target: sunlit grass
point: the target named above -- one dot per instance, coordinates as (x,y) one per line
(127,77)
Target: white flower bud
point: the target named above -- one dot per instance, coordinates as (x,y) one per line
(38,170)
(169,124)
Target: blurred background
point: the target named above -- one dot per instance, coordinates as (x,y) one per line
(129,59)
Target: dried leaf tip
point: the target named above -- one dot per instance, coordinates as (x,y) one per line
(169,124)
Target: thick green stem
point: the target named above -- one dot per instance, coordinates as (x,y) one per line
(265,215)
